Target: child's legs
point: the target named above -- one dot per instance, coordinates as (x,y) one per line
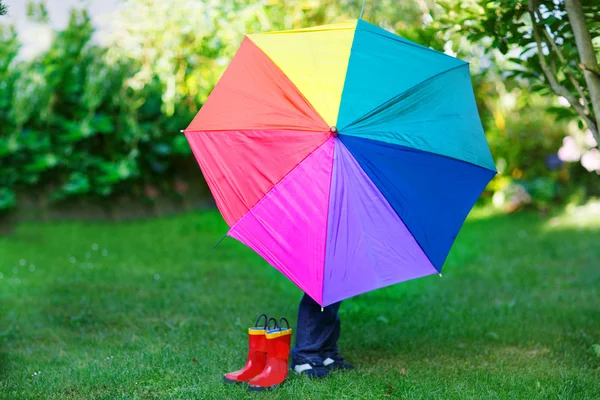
(317,332)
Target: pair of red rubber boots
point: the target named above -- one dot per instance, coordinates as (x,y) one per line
(268,353)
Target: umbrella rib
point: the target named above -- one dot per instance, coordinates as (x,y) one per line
(219,242)
(406,226)
(327,220)
(300,129)
(399,97)
(275,107)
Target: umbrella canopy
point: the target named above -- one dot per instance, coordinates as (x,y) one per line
(346,156)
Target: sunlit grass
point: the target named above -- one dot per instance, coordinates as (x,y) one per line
(585,217)
(484,212)
(146,310)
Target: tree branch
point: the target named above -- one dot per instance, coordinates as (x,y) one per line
(552,43)
(587,56)
(587,68)
(553,65)
(556,87)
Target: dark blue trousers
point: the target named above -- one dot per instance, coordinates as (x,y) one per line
(317,332)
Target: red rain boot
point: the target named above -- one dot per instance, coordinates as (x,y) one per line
(278,350)
(257,355)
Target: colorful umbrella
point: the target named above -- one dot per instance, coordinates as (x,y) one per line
(346,156)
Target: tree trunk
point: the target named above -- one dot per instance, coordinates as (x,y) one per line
(587,57)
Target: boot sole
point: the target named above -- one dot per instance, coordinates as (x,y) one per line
(262,388)
(232,381)
(254,388)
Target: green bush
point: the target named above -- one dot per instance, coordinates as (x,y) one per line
(72,127)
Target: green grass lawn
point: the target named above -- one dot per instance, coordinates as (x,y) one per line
(146,310)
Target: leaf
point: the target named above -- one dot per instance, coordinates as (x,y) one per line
(75,131)
(43,162)
(7,199)
(103,190)
(181,146)
(503,46)
(476,37)
(35,141)
(8,145)
(115,172)
(102,124)
(521,63)
(563,113)
(550,20)
(78,183)
(30,179)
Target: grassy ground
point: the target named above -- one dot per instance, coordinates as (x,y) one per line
(145,310)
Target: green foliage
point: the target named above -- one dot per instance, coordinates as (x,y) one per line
(91,122)
(3,9)
(73,124)
(82,121)
(525,138)
(505,30)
